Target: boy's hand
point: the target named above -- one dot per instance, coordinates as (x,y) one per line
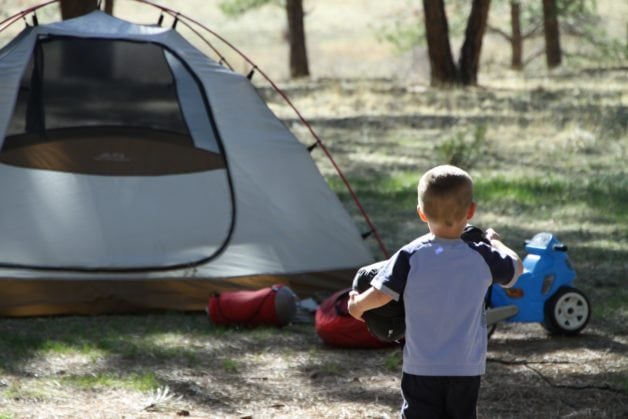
(496,241)
(353,306)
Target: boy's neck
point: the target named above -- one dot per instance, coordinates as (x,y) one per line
(447,236)
(445,232)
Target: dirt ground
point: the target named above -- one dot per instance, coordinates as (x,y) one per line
(290,373)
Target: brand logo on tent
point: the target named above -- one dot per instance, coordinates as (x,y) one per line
(113,157)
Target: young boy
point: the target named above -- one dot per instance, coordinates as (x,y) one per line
(443,281)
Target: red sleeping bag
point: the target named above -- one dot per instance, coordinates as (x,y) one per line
(335,326)
(273,306)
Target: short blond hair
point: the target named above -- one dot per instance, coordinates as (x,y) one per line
(445,194)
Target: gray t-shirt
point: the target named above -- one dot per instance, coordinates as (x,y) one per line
(443,283)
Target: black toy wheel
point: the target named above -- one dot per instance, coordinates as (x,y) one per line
(567,312)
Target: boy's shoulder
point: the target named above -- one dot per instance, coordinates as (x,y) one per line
(428,244)
(418,243)
(429,240)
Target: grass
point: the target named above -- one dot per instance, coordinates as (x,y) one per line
(541,171)
(393,361)
(141,382)
(558,165)
(230,365)
(602,198)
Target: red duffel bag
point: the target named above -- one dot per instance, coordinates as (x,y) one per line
(335,326)
(273,306)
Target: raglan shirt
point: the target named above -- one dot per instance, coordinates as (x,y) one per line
(443,283)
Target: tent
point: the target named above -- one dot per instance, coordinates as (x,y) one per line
(136,173)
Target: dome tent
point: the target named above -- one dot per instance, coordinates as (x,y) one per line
(137,173)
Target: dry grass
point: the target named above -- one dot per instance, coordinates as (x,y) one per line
(169,365)
(290,374)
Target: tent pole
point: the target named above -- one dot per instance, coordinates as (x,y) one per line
(21,14)
(344,179)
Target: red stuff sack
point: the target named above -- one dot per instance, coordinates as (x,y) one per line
(273,306)
(335,326)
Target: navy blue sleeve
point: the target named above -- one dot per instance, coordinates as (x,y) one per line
(501,265)
(391,279)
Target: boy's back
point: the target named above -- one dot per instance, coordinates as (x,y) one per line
(443,283)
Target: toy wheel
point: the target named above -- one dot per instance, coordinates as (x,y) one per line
(567,312)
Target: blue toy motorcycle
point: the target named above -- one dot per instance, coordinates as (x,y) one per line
(544,293)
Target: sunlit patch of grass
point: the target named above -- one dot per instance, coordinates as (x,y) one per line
(230,365)
(397,188)
(131,337)
(71,348)
(26,392)
(140,382)
(589,211)
(605,195)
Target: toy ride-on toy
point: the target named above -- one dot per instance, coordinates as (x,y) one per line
(544,293)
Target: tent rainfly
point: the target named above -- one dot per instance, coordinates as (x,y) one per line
(137,174)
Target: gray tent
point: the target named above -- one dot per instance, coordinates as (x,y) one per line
(136,173)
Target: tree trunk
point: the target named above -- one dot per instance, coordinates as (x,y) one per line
(552,34)
(75,8)
(109,6)
(516,39)
(443,70)
(296,38)
(472,46)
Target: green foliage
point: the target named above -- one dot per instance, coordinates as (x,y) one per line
(406,29)
(239,7)
(580,19)
(393,361)
(403,31)
(464,147)
(230,365)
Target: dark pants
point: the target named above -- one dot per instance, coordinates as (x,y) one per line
(439,397)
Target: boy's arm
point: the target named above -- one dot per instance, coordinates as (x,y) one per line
(496,241)
(368,300)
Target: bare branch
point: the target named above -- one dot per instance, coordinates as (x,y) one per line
(532,32)
(533,56)
(500,32)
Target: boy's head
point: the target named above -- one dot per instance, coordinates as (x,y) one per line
(446,196)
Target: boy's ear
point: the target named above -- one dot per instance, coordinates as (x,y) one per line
(471,210)
(421,214)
